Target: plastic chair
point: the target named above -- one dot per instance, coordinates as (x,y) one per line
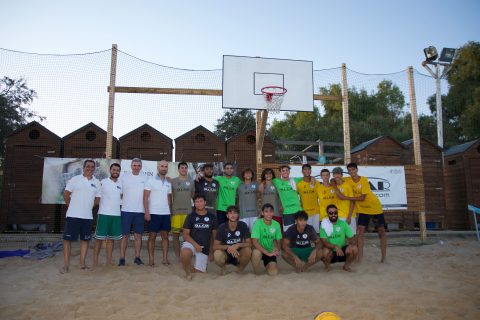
(475,211)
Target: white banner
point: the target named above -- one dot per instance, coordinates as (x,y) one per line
(388,183)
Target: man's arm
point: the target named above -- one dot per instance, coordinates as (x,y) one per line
(66,197)
(96,202)
(188,238)
(350,212)
(258,246)
(146,195)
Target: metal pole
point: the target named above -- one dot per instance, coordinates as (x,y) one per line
(346,120)
(439,108)
(111,103)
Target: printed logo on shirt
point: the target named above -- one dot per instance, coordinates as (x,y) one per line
(272,230)
(214,184)
(304,236)
(237,233)
(337,229)
(206,219)
(197,218)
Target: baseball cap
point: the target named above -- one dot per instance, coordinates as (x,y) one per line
(337,170)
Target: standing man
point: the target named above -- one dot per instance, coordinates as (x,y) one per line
(208,187)
(157,200)
(287,191)
(266,236)
(183,190)
(198,231)
(80,195)
(297,247)
(227,191)
(343,191)
(367,206)
(247,198)
(325,193)
(307,190)
(269,194)
(334,235)
(133,185)
(109,220)
(232,244)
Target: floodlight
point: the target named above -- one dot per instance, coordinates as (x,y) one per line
(447,55)
(431,53)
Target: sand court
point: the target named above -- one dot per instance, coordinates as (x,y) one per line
(435,281)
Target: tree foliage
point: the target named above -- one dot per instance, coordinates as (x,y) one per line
(234,122)
(14,95)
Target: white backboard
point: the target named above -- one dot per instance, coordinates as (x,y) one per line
(244,78)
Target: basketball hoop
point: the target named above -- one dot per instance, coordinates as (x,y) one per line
(273,98)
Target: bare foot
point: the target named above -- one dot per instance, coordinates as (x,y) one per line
(222,271)
(84,267)
(189,277)
(151,264)
(166,262)
(383,260)
(64,270)
(348,269)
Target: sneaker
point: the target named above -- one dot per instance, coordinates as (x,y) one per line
(138,261)
(121,262)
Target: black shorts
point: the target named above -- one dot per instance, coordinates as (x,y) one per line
(377,219)
(336,258)
(231,259)
(266,259)
(77,227)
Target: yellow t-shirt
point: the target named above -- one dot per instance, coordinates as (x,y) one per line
(326,196)
(344,205)
(308,196)
(371,205)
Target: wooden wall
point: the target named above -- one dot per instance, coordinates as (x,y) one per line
(146,143)
(199,145)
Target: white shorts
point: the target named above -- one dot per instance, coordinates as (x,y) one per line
(314,221)
(353,224)
(249,222)
(201,259)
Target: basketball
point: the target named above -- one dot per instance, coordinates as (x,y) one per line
(327,316)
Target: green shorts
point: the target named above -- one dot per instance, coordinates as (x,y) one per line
(303,253)
(108,227)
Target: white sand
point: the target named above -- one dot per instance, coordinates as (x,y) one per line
(438,281)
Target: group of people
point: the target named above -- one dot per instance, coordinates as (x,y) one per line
(301,220)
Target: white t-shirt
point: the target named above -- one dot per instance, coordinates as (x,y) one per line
(83,196)
(158,199)
(110,197)
(132,188)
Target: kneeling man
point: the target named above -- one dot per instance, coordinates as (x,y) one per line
(232,244)
(334,234)
(297,247)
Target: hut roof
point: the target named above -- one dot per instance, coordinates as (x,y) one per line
(368,143)
(409,142)
(31,124)
(196,128)
(459,148)
(88,125)
(147,127)
(252,132)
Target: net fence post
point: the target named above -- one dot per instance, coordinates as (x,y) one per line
(111,103)
(420,188)
(345,116)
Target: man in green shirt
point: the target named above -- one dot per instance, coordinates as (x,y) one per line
(287,191)
(227,192)
(334,234)
(266,236)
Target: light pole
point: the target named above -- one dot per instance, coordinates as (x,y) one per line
(445,61)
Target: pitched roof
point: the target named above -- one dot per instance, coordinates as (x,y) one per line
(147,127)
(409,142)
(88,125)
(202,128)
(460,148)
(31,124)
(365,144)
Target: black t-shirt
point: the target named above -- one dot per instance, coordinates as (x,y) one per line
(201,227)
(229,237)
(209,190)
(301,240)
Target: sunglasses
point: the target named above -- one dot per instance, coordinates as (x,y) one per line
(332,212)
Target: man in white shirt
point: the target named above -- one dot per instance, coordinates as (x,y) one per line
(157,200)
(80,195)
(133,185)
(109,220)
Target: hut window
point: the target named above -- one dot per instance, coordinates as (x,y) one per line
(251,139)
(200,138)
(478,149)
(452,162)
(145,136)
(90,135)
(34,134)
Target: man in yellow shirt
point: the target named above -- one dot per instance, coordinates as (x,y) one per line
(345,207)
(367,207)
(307,190)
(325,193)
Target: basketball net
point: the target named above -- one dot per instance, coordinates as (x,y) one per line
(273,98)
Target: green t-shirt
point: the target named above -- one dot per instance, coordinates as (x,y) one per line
(227,192)
(288,195)
(266,234)
(341,231)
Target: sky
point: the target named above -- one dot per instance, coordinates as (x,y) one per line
(370,36)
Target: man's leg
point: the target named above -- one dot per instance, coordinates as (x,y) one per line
(138,244)
(152,236)
(383,242)
(186,255)
(109,251)
(123,248)
(272,268)
(244,259)
(318,257)
(67,248)
(83,253)
(96,251)
(164,235)
(176,243)
(327,257)
(256,259)
(350,253)
(290,260)
(220,258)
(360,241)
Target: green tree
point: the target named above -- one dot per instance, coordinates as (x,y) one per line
(234,122)
(14,95)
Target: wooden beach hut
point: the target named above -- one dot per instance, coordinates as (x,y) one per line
(146,143)
(88,141)
(199,145)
